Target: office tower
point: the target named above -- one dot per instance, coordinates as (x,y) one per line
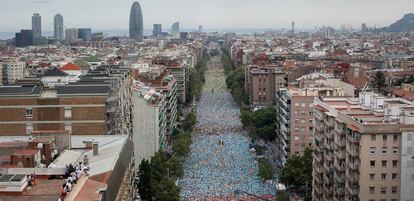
(71,35)
(24,38)
(37,25)
(58,27)
(293,27)
(157,30)
(85,34)
(175,28)
(363,148)
(200,28)
(364,27)
(136,24)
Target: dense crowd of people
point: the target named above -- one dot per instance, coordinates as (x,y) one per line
(220,162)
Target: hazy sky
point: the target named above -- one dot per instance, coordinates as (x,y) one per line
(114,14)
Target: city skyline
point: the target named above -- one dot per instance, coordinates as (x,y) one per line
(213,15)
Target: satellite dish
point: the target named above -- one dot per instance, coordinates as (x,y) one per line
(40,146)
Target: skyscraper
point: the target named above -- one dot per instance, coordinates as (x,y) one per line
(175,28)
(58,27)
(364,27)
(37,25)
(200,28)
(157,30)
(136,24)
(293,27)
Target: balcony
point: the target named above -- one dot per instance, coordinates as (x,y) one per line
(338,178)
(353,166)
(354,152)
(329,122)
(318,179)
(340,141)
(339,129)
(340,154)
(328,167)
(329,156)
(317,137)
(339,167)
(353,191)
(318,189)
(318,115)
(327,191)
(317,156)
(327,180)
(353,139)
(318,170)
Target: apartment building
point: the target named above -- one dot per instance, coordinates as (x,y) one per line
(161,79)
(262,83)
(149,121)
(179,71)
(99,104)
(295,121)
(363,148)
(11,71)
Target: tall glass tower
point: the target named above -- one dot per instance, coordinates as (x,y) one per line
(136,25)
(37,25)
(58,27)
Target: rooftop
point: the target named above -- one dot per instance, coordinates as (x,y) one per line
(23,90)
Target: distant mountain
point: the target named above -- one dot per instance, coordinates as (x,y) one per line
(405,24)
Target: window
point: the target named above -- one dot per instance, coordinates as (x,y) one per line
(395,138)
(372,163)
(373,137)
(296,104)
(384,150)
(68,126)
(29,128)
(372,177)
(29,112)
(372,150)
(383,177)
(394,190)
(395,150)
(384,137)
(303,104)
(394,163)
(371,190)
(68,112)
(296,112)
(394,176)
(384,163)
(311,113)
(383,190)
(302,121)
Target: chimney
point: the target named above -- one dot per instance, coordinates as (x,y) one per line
(135,74)
(95,148)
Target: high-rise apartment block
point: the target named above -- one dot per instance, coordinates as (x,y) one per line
(294,109)
(175,28)
(85,34)
(363,148)
(24,38)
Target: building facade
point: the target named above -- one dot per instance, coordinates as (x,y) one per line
(262,83)
(85,34)
(148,120)
(358,148)
(157,29)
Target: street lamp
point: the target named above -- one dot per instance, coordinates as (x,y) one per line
(238,192)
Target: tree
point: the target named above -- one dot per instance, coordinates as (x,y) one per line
(166,190)
(266,171)
(298,170)
(246,118)
(264,117)
(379,81)
(189,122)
(266,132)
(145,181)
